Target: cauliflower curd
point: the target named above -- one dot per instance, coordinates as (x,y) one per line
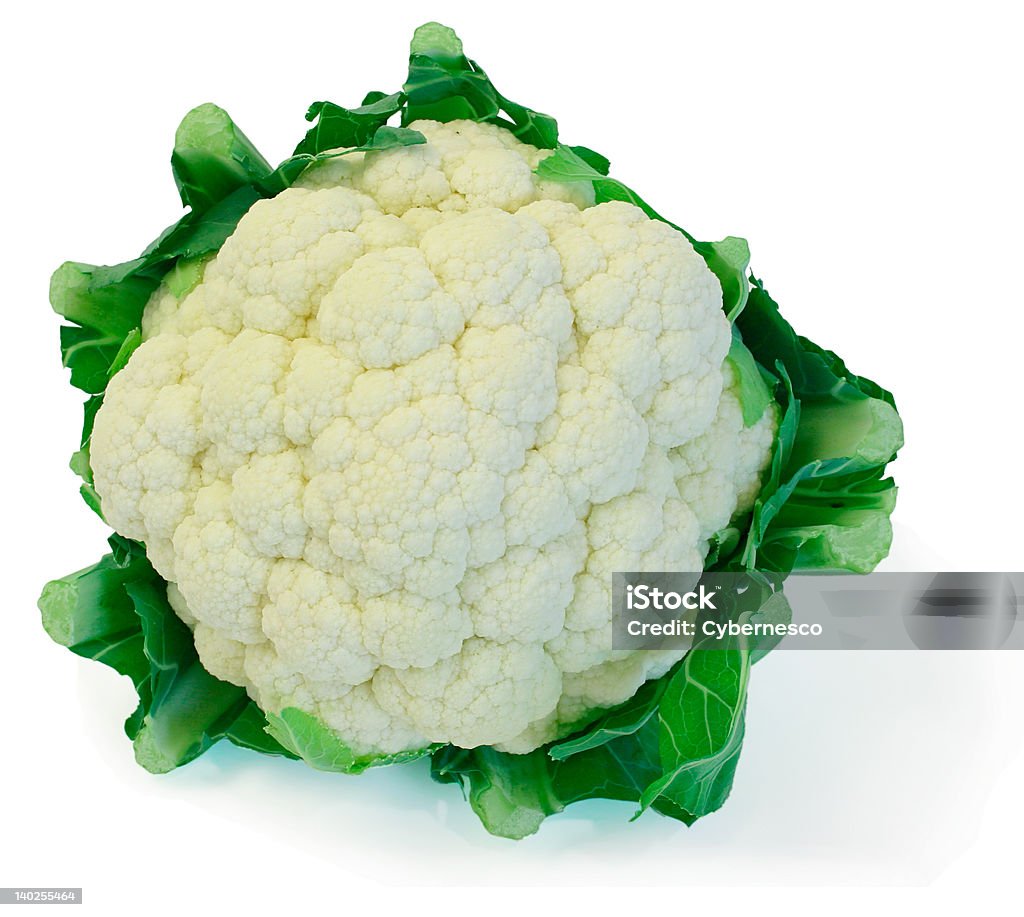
(390,448)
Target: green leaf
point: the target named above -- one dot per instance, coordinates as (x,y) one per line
(862,433)
(701,710)
(597,162)
(91,499)
(128,346)
(91,614)
(624,720)
(444,85)
(831,526)
(816,374)
(723,544)
(93,357)
(578,164)
(89,355)
(308,738)
(116,612)
(728,261)
(338,127)
(212,158)
(702,722)
(775,611)
(79,463)
(190,709)
(619,769)
(196,234)
(185,276)
(511,794)
(388,138)
(250,730)
(754,394)
(825,503)
(113,309)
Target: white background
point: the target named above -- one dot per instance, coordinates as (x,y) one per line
(871,155)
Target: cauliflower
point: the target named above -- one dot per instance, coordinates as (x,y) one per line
(376,427)
(391,447)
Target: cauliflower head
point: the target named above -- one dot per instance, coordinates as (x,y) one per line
(389,449)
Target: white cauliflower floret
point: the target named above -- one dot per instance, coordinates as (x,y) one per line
(391,446)
(725,462)
(392,306)
(459,697)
